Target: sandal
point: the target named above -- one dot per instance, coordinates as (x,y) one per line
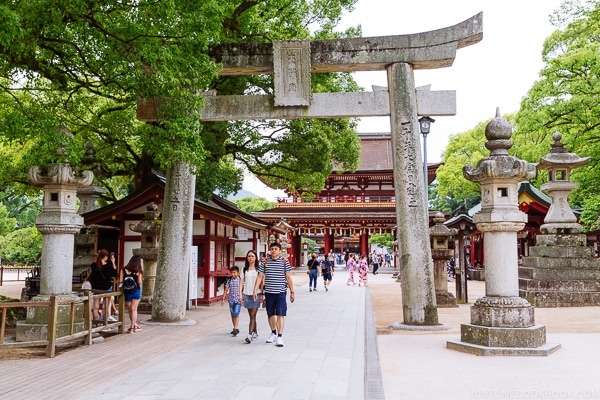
(137,329)
(131,330)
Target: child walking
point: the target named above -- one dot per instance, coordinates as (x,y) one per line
(234,298)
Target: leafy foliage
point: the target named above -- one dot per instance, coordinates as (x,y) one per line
(7,224)
(72,72)
(566,98)
(382,240)
(22,246)
(250,204)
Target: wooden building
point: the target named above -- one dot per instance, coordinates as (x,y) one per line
(222,235)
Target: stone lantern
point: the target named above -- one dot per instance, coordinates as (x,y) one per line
(149,227)
(440,253)
(502,323)
(58,223)
(559,163)
(560,270)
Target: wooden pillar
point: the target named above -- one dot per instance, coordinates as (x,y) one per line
(328,240)
(418,291)
(364,243)
(297,250)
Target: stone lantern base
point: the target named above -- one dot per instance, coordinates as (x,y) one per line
(503,326)
(35,327)
(560,271)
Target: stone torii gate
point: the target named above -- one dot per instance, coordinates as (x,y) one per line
(292,63)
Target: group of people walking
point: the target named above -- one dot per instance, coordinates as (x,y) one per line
(266,283)
(322,264)
(359,267)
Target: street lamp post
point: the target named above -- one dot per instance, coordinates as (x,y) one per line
(425,125)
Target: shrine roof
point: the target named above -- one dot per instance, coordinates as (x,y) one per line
(376,152)
(153,189)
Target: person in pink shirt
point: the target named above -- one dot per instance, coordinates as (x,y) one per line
(363,269)
(351,267)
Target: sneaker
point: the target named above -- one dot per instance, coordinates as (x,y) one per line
(272,337)
(310,289)
(279,341)
(254,336)
(248,339)
(327,290)
(235,332)
(112,319)
(315,289)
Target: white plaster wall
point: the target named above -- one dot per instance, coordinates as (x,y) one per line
(199,227)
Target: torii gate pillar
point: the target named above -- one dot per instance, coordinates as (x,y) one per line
(416,268)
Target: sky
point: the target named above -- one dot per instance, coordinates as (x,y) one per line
(496,72)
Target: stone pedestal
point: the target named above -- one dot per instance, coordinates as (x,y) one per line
(443,297)
(560,271)
(35,327)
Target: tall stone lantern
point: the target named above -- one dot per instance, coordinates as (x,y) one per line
(149,227)
(58,223)
(440,253)
(502,323)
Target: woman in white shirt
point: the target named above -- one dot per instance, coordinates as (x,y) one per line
(249,275)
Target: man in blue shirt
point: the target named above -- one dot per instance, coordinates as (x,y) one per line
(275,272)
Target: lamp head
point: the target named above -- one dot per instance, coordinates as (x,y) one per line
(425,124)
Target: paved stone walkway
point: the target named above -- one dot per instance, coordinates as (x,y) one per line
(324,357)
(330,352)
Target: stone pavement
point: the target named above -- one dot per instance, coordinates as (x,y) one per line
(330,352)
(324,357)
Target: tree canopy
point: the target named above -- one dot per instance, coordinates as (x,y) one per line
(250,204)
(566,99)
(71,72)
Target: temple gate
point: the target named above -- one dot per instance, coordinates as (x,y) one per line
(292,62)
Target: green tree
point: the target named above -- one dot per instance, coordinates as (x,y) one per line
(382,240)
(249,204)
(22,246)
(21,207)
(452,188)
(565,98)
(7,224)
(72,72)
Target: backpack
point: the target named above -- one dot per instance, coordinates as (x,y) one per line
(130,284)
(324,267)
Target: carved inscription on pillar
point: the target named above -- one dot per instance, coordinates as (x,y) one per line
(291,64)
(410,166)
(176,191)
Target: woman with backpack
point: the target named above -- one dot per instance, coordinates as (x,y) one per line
(313,272)
(103,270)
(130,280)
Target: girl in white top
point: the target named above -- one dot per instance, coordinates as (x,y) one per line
(249,275)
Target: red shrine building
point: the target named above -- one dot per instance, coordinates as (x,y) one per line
(352,206)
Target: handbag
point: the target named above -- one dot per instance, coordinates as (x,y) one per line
(87,285)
